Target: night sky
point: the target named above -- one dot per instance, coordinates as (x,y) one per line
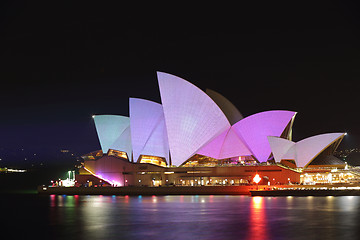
(60,64)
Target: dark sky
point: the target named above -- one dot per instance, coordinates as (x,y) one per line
(60,64)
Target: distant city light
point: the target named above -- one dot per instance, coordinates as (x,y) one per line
(15,170)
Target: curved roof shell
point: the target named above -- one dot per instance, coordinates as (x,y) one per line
(280,146)
(192,118)
(113,133)
(308,148)
(255,129)
(229,109)
(304,151)
(226,145)
(148,130)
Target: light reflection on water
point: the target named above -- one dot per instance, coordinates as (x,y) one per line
(191,217)
(258,228)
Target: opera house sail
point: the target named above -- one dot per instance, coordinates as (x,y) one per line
(226,145)
(114,133)
(256,128)
(230,111)
(249,136)
(204,132)
(192,117)
(148,131)
(306,150)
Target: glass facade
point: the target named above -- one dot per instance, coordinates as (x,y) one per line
(159,161)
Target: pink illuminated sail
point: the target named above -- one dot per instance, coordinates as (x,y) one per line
(255,129)
(226,145)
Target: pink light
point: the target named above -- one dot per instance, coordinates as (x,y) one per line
(52,200)
(255,129)
(226,145)
(102,178)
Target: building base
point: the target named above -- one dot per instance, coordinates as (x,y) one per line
(168,190)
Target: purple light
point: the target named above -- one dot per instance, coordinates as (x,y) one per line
(104,179)
(110,169)
(226,145)
(255,129)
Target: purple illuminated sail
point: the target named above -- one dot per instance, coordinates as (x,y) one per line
(226,145)
(255,129)
(148,131)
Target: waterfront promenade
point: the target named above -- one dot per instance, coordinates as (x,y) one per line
(167,190)
(261,190)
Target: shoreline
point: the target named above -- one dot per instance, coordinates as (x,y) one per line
(305,193)
(134,190)
(250,190)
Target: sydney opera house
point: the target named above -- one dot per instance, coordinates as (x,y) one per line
(200,138)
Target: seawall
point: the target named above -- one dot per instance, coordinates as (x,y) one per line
(306,192)
(170,190)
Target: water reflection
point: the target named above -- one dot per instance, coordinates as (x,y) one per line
(258,228)
(202,217)
(52,200)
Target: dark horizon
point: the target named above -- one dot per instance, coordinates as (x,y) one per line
(61,64)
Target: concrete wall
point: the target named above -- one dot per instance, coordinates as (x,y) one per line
(124,173)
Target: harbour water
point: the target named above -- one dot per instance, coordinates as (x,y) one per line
(179,217)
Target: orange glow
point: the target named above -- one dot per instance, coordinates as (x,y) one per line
(153,160)
(258,223)
(257,178)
